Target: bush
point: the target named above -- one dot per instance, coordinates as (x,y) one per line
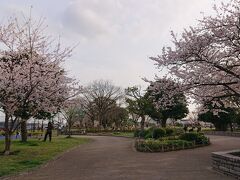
(151,145)
(136,133)
(141,133)
(149,133)
(158,133)
(178,131)
(169,131)
(199,138)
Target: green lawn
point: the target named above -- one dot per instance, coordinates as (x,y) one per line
(125,134)
(34,153)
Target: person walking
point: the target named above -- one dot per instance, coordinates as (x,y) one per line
(49,131)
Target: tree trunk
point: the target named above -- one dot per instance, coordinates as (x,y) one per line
(92,120)
(69,129)
(7,143)
(142,122)
(231,126)
(7,136)
(42,127)
(164,122)
(24,131)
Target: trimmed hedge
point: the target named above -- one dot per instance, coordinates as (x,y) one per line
(169,131)
(171,143)
(151,145)
(157,133)
(198,138)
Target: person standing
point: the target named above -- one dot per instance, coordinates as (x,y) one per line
(49,132)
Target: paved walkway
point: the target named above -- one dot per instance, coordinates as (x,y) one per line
(115,158)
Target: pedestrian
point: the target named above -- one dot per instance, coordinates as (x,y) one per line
(49,131)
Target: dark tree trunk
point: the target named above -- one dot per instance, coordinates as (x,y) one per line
(7,143)
(142,122)
(69,131)
(69,128)
(24,131)
(231,126)
(42,127)
(164,122)
(92,119)
(7,136)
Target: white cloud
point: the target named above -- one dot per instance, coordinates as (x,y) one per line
(116,36)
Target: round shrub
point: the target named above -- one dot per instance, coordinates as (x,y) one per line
(197,137)
(149,133)
(189,136)
(136,133)
(169,131)
(140,133)
(178,131)
(158,133)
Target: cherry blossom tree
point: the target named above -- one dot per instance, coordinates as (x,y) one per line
(205,58)
(168,100)
(32,78)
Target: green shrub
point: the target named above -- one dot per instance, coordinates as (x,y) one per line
(158,133)
(169,131)
(169,138)
(199,138)
(149,133)
(141,133)
(136,133)
(151,145)
(178,131)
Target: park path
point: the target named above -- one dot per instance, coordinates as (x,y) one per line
(110,158)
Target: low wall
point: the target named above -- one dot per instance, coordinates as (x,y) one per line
(222,133)
(227,163)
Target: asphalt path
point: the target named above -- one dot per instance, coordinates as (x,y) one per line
(110,158)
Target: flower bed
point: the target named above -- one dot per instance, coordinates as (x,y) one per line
(164,143)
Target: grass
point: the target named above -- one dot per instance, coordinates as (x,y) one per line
(26,156)
(125,134)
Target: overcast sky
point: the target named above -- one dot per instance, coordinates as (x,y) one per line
(114,37)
